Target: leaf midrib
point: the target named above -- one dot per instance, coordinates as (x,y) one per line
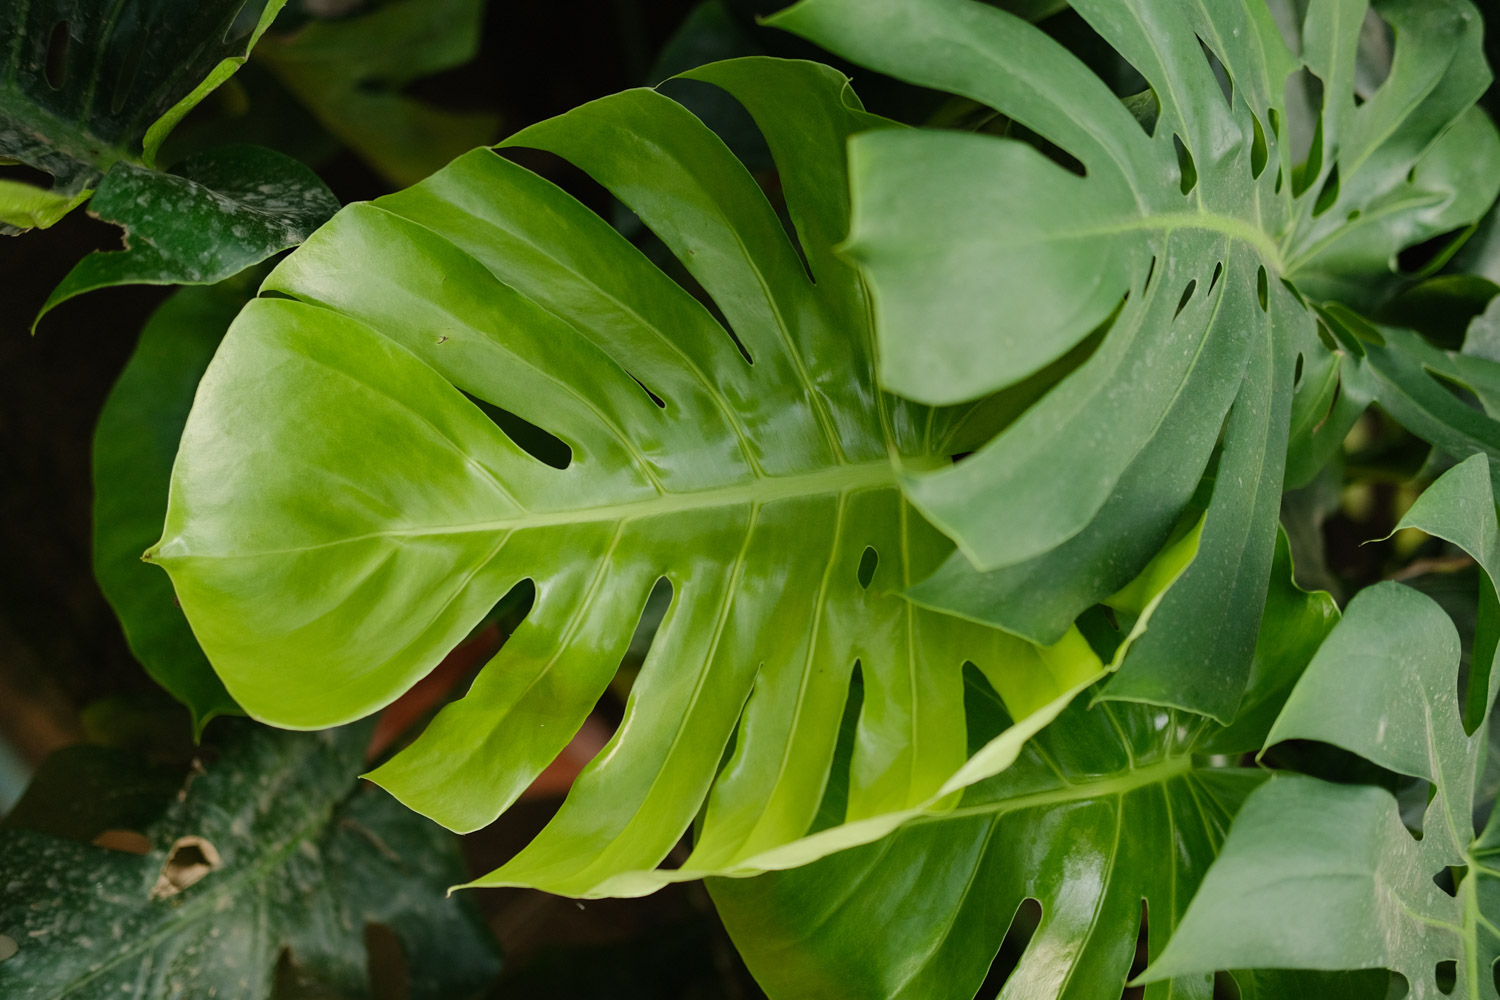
(1160,772)
(756,492)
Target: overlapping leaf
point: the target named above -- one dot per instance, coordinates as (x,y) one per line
(269,856)
(1157,299)
(210,217)
(83,88)
(1322,876)
(1109,808)
(342,512)
(134,444)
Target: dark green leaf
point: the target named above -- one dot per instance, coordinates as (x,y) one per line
(134,444)
(211,217)
(287,856)
(83,88)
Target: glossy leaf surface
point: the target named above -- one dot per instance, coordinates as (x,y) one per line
(1150,300)
(135,442)
(269,849)
(210,217)
(1106,809)
(342,512)
(1323,876)
(81,90)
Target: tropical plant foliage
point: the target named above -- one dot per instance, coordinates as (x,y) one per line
(951,475)
(761,493)
(268,849)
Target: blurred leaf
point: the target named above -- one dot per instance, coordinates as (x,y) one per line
(85,85)
(81,791)
(351,73)
(1440,308)
(134,445)
(211,217)
(268,848)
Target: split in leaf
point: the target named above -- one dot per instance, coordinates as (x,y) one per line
(1185,259)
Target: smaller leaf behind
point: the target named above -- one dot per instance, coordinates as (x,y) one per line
(214,215)
(134,444)
(350,74)
(116,88)
(288,856)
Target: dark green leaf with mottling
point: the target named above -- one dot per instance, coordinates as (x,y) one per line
(211,217)
(85,85)
(290,857)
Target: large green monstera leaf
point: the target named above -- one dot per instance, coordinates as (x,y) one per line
(1109,810)
(343,511)
(1160,305)
(83,87)
(1322,876)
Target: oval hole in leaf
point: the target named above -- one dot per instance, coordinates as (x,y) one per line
(1305,90)
(661,403)
(1263,289)
(1377,50)
(1142,956)
(1049,149)
(1259,153)
(1017,938)
(1329,194)
(1460,392)
(1430,254)
(1187,295)
(1214,281)
(1226,85)
(1185,165)
(1297,374)
(57,56)
(188,862)
(1449,879)
(834,807)
(1446,976)
(545,447)
(867,563)
(657,603)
